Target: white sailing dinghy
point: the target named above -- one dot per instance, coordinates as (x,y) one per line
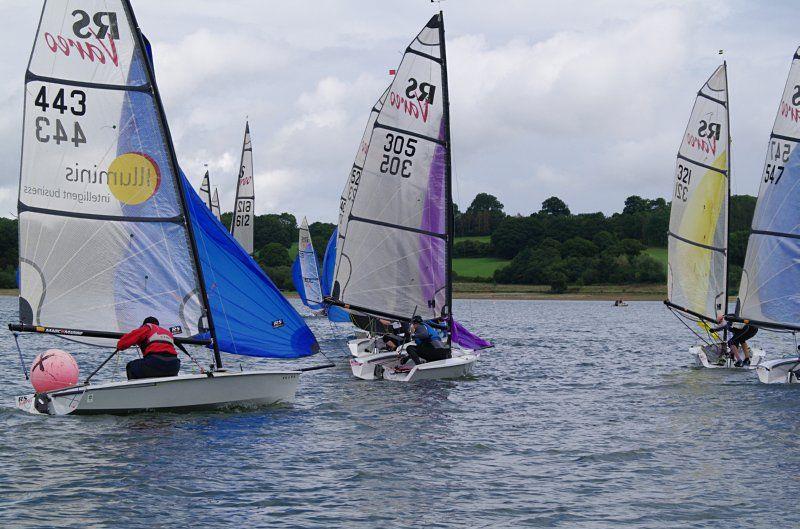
(215,206)
(120,234)
(244,205)
(211,201)
(305,272)
(697,279)
(395,220)
(768,294)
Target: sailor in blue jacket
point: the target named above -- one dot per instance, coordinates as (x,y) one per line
(429,345)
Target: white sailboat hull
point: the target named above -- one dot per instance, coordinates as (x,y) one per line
(182,392)
(368,364)
(707,357)
(779,371)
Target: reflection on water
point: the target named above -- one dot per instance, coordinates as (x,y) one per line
(585,415)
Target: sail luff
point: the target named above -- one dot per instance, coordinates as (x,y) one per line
(215,205)
(177,172)
(728,202)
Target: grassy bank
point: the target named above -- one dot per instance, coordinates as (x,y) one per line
(478,266)
(591,292)
(659,254)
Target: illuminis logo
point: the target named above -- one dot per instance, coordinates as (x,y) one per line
(133,178)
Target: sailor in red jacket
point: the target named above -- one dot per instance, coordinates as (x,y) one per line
(159,357)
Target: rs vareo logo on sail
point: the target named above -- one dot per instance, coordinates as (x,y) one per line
(92,40)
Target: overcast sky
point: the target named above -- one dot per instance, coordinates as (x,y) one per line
(583,100)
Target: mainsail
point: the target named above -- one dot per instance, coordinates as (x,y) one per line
(768,294)
(205,190)
(109,227)
(698,226)
(392,256)
(305,270)
(215,205)
(244,206)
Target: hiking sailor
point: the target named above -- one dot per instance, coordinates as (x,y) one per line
(740,333)
(159,357)
(428,345)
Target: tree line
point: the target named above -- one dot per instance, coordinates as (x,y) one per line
(550,246)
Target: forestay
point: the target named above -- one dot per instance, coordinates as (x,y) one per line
(244,206)
(698,226)
(103,237)
(392,251)
(769,291)
(305,270)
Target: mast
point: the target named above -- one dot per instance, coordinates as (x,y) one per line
(176,169)
(448,187)
(728,212)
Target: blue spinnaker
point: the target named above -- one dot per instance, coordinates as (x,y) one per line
(335,314)
(251,316)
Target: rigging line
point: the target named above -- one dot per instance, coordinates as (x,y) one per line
(21,360)
(688,326)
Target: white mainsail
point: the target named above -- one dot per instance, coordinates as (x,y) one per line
(392,255)
(769,294)
(205,190)
(104,240)
(698,226)
(244,206)
(309,269)
(215,205)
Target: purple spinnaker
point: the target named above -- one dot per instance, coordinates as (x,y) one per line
(464,338)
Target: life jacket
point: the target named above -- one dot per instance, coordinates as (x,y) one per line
(435,336)
(159,340)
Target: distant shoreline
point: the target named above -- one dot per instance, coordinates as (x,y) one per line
(528,292)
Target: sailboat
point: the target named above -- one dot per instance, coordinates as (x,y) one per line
(395,228)
(305,272)
(211,201)
(768,293)
(215,205)
(244,205)
(205,189)
(697,279)
(123,235)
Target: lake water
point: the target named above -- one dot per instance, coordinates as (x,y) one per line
(583,416)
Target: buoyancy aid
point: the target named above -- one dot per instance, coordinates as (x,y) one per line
(159,340)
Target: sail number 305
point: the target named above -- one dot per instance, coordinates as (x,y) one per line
(400,149)
(48,129)
(682,185)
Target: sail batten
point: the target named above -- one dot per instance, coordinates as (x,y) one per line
(768,289)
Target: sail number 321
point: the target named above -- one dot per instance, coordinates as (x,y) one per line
(400,150)
(682,185)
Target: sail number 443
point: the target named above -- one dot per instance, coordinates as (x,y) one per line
(48,129)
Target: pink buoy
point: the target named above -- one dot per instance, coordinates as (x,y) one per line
(53,369)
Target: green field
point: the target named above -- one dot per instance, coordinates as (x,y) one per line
(293,250)
(659,254)
(478,266)
(479,238)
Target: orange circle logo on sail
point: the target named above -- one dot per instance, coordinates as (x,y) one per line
(133,178)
